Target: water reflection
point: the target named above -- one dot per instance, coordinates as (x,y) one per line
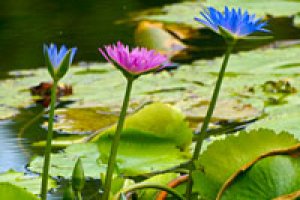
(26,25)
(13,153)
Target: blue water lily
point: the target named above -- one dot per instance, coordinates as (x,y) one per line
(58,61)
(236,22)
(56,56)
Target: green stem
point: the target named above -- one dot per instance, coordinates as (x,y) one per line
(150,186)
(116,141)
(78,195)
(203,132)
(48,145)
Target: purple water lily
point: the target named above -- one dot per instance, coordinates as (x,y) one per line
(234,21)
(135,62)
(56,56)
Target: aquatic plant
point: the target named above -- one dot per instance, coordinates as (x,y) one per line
(132,63)
(232,25)
(236,22)
(58,63)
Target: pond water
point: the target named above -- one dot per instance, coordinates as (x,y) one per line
(26,25)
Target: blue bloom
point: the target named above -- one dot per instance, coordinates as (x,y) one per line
(55,56)
(233,21)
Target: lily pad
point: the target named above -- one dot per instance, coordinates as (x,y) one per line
(161,121)
(31,183)
(62,164)
(269,178)
(287,121)
(143,153)
(188,10)
(84,120)
(13,192)
(271,61)
(144,132)
(216,167)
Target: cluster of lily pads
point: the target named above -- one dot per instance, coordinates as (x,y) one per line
(217,168)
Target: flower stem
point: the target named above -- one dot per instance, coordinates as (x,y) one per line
(48,145)
(203,133)
(150,186)
(78,195)
(116,141)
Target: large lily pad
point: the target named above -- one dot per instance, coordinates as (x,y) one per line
(161,121)
(224,157)
(13,192)
(31,183)
(269,178)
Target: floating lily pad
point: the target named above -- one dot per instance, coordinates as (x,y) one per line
(182,88)
(62,164)
(12,192)
(188,10)
(84,120)
(229,110)
(32,183)
(144,131)
(143,153)
(271,61)
(224,157)
(286,121)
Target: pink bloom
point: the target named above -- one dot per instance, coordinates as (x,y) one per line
(135,62)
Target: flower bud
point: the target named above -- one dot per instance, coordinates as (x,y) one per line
(78,178)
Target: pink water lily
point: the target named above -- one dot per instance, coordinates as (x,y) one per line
(135,62)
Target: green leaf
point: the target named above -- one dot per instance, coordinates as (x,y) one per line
(267,179)
(146,136)
(224,157)
(13,192)
(62,164)
(161,121)
(143,153)
(285,121)
(161,179)
(28,182)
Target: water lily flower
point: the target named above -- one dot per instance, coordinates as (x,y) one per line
(235,22)
(136,62)
(58,61)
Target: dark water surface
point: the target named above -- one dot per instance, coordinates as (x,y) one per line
(25,25)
